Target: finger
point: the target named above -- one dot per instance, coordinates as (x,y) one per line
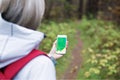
(67,44)
(54,43)
(58,56)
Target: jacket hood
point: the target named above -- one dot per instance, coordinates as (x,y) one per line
(16,41)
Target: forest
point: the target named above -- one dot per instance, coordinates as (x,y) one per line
(93,30)
(67,9)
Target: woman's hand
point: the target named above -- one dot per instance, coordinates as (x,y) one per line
(53,51)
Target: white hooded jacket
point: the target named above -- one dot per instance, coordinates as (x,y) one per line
(15,43)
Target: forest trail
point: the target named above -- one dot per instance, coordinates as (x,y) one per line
(75,64)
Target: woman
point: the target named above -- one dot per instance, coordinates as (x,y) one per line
(18,21)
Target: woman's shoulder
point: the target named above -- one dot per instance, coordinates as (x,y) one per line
(37,68)
(41,60)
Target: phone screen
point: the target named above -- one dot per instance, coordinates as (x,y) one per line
(61,44)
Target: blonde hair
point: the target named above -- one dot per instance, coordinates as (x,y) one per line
(27,13)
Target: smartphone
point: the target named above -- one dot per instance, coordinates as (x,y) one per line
(61,44)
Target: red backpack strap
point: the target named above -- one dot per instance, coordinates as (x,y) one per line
(1,75)
(11,70)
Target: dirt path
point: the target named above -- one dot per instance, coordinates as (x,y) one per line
(76,60)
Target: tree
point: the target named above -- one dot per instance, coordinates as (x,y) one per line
(92,8)
(80,9)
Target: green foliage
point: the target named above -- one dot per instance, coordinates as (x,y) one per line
(102,49)
(61,9)
(52,29)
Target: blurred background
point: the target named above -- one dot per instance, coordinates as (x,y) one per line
(93,30)
(75,9)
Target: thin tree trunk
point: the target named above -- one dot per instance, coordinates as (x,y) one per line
(80,9)
(49,6)
(92,8)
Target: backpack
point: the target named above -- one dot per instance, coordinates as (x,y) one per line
(11,70)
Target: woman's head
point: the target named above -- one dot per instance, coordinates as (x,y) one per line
(27,13)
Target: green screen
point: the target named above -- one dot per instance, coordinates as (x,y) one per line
(61,43)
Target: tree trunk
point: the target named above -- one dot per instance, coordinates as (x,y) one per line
(49,6)
(80,9)
(92,8)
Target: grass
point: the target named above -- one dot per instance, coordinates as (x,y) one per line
(52,29)
(93,33)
